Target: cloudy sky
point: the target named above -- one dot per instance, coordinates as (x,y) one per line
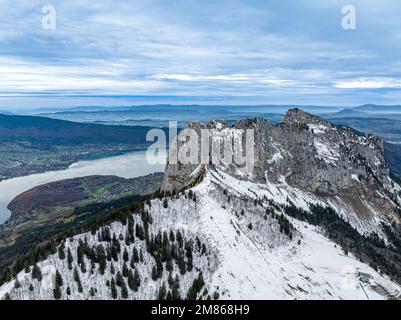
(234,51)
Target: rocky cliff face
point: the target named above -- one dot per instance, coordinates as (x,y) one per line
(337,164)
(309,152)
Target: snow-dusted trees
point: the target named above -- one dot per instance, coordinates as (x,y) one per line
(195,288)
(36,273)
(161,295)
(78,280)
(59,279)
(61,253)
(113,288)
(70,259)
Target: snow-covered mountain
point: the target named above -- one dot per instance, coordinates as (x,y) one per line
(317,218)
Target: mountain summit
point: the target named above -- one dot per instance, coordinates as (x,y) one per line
(338,166)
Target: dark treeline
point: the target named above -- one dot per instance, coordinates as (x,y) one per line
(37,244)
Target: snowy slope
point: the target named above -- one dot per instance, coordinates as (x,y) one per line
(241,262)
(313,269)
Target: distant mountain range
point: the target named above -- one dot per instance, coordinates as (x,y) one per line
(32,144)
(43,130)
(159,115)
(379,108)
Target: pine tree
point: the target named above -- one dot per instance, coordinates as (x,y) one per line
(112,270)
(195,288)
(131,281)
(154,273)
(83,266)
(80,252)
(159,266)
(119,279)
(175,292)
(7,296)
(135,255)
(162,292)
(199,283)
(78,280)
(17,284)
(191,294)
(170,279)
(127,239)
(68,291)
(181,263)
(69,259)
(108,254)
(59,279)
(113,288)
(125,270)
(172,236)
(137,280)
(80,289)
(188,254)
(114,251)
(139,232)
(125,255)
(132,263)
(93,266)
(165,239)
(169,263)
(179,239)
(101,257)
(36,273)
(130,228)
(106,236)
(124,291)
(61,253)
(116,243)
(57,292)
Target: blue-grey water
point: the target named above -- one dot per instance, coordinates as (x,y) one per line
(129,165)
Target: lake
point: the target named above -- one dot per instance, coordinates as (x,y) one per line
(128,165)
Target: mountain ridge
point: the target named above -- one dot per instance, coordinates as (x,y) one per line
(212,232)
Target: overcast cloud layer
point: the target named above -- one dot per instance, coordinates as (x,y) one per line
(234,51)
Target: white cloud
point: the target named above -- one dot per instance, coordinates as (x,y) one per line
(243,78)
(18,76)
(369,83)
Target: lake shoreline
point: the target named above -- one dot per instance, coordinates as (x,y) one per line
(128,164)
(67,164)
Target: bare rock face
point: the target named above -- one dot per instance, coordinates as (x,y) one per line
(317,156)
(308,153)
